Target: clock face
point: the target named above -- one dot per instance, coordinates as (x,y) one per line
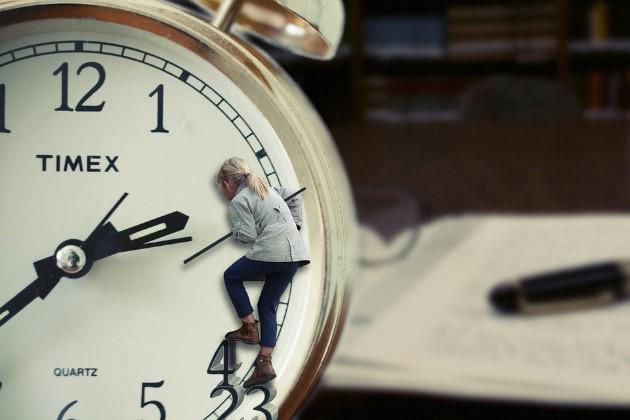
(91,109)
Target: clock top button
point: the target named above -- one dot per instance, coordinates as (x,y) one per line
(304,27)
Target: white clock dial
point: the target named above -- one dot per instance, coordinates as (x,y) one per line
(90,109)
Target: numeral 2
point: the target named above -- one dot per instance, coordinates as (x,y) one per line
(237,395)
(81,107)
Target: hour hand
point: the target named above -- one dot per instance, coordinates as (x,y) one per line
(107,240)
(74,258)
(48,278)
(18,302)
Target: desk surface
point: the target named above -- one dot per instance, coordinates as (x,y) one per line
(350,405)
(415,344)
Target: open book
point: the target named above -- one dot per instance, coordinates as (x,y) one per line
(423,322)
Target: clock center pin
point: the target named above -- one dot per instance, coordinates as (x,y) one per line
(71,259)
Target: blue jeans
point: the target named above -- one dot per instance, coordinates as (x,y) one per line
(277,276)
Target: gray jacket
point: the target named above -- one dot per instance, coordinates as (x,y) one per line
(268,226)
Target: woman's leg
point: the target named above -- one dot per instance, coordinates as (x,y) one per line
(275,285)
(242,270)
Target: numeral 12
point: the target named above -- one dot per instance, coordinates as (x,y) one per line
(81,107)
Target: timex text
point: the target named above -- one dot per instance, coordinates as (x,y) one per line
(66,163)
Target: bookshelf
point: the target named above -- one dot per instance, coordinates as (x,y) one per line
(582,44)
(454,44)
(539,122)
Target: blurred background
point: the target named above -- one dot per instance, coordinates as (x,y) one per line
(501,94)
(453,107)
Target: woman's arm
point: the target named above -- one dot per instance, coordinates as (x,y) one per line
(294,204)
(243,224)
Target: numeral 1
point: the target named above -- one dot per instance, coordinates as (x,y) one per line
(63,69)
(3,127)
(160,109)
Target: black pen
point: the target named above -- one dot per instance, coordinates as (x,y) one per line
(571,288)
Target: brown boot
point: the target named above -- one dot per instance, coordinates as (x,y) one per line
(263,373)
(248,333)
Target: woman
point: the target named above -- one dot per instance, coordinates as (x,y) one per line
(260,218)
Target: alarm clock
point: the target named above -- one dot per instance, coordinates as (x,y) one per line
(114,118)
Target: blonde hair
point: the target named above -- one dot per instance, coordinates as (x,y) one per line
(236,170)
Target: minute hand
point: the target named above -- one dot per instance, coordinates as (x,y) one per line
(228,235)
(107,240)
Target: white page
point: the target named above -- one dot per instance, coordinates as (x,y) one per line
(389,268)
(442,336)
